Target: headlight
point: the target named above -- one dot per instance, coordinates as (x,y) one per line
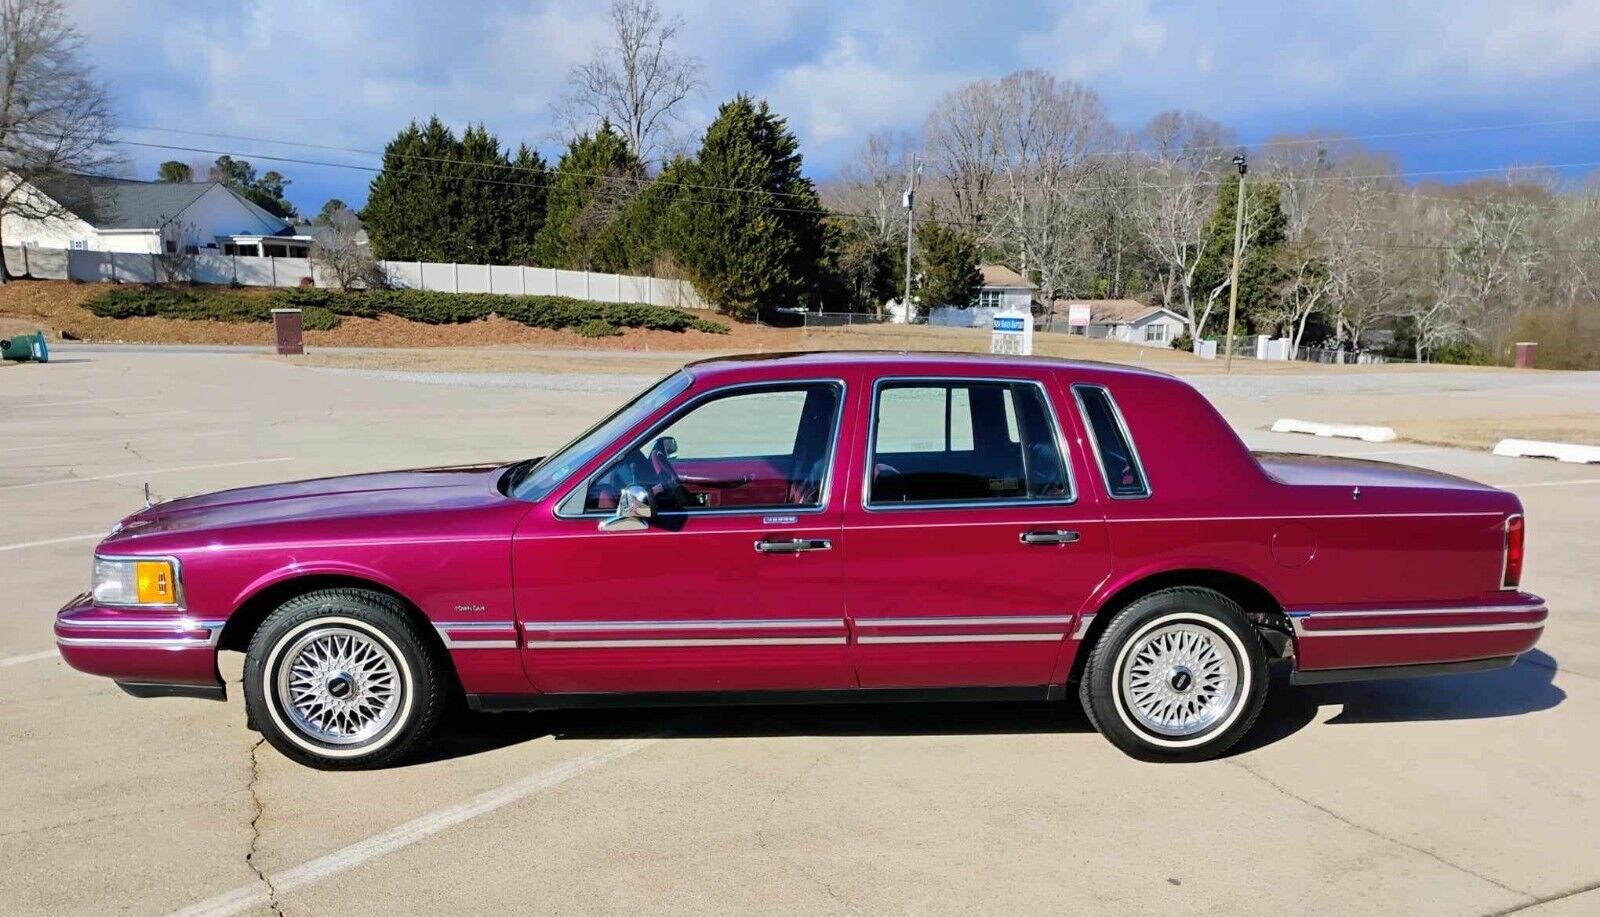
(136,581)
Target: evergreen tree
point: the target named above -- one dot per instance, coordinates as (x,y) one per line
(525,201)
(748,226)
(594,180)
(947,267)
(174,171)
(1265,229)
(480,209)
(411,201)
(265,191)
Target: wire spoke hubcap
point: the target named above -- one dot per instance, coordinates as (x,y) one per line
(1180,679)
(339,685)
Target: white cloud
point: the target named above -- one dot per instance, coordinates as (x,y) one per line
(1098,37)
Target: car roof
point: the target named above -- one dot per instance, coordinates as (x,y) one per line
(890,361)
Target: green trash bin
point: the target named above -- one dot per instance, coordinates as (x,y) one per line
(26,347)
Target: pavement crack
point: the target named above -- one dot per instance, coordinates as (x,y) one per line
(797,868)
(257,810)
(1558,896)
(1379,834)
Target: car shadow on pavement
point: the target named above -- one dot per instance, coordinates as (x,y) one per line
(1526,687)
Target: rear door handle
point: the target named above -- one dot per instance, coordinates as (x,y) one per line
(792,545)
(1059,536)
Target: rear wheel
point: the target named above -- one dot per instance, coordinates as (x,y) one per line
(1178,675)
(341,679)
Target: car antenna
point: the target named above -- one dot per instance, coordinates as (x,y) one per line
(147,503)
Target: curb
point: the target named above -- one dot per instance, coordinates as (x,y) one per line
(1575,453)
(1346,430)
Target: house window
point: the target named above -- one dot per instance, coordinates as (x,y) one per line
(172,246)
(990,299)
(1155,332)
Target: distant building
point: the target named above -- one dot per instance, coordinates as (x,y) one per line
(125,215)
(1003,290)
(1125,320)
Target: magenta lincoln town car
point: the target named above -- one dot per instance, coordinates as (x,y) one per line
(832,527)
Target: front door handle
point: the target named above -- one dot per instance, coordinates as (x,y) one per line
(1059,536)
(792,545)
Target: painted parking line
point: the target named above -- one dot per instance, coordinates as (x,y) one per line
(1390,452)
(8,661)
(62,404)
(254,896)
(17,546)
(1513,485)
(145,472)
(112,442)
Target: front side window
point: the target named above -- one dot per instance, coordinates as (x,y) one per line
(550,472)
(1119,461)
(762,449)
(940,442)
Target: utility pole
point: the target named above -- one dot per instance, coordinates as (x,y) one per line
(1238,246)
(909,201)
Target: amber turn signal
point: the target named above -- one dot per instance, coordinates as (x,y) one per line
(155,582)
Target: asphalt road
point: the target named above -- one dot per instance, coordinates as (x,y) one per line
(1464,795)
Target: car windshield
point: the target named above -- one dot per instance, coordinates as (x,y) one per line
(547,475)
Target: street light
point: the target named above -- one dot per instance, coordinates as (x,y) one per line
(1238,245)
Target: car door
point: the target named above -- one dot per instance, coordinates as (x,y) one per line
(970,552)
(735,583)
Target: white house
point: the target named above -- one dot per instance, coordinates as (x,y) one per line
(1003,290)
(124,215)
(1130,320)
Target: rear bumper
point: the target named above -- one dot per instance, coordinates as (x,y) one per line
(151,654)
(1349,639)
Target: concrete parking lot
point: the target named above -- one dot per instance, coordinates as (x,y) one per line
(1460,795)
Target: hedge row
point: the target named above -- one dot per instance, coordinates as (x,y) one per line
(323,308)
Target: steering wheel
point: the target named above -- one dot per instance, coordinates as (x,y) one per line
(666,476)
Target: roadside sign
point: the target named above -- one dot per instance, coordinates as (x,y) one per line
(1078,315)
(1011,333)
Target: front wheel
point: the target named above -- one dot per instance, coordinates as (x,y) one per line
(1178,675)
(340,679)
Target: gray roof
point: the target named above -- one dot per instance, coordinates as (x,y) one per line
(125,203)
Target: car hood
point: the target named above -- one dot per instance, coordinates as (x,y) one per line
(418,490)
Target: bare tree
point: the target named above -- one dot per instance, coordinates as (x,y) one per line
(340,251)
(1176,197)
(54,116)
(637,83)
(960,137)
(180,247)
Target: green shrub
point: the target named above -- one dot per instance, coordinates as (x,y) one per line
(323,308)
(316,318)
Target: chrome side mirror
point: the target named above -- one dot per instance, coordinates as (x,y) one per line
(634,509)
(668,445)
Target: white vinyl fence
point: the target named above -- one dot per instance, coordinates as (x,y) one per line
(209,267)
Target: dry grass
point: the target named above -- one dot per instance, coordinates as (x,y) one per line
(1484,432)
(57,306)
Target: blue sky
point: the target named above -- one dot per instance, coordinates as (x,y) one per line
(350,74)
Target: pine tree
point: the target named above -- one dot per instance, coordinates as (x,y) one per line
(748,225)
(594,180)
(526,199)
(409,204)
(947,265)
(1265,229)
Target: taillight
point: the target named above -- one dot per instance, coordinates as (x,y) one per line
(1513,565)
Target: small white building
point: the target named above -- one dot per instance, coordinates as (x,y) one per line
(1132,321)
(1003,290)
(95,213)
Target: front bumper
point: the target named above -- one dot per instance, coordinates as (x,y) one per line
(148,653)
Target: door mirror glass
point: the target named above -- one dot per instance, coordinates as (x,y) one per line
(667,446)
(634,509)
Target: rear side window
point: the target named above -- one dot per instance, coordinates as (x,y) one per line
(1114,449)
(960,442)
